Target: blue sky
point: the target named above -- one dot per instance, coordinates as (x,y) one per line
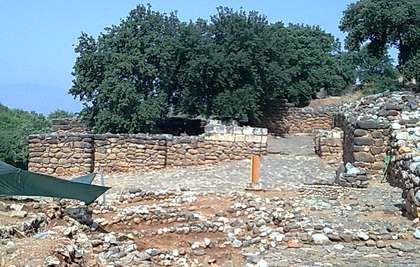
(37,38)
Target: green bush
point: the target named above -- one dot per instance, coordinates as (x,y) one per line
(15,127)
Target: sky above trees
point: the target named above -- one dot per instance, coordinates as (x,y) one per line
(38,37)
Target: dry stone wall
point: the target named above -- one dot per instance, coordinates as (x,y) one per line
(129,152)
(384,125)
(67,154)
(62,154)
(284,118)
(404,171)
(329,145)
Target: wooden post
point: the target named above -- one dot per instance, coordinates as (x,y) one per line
(255,169)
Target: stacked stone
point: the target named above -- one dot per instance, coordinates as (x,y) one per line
(367,128)
(350,176)
(308,120)
(72,125)
(284,118)
(219,143)
(130,152)
(329,145)
(67,154)
(405,164)
(61,154)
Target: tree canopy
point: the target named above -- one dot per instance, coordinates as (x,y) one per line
(152,66)
(15,127)
(378,24)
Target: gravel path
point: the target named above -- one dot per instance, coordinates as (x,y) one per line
(292,164)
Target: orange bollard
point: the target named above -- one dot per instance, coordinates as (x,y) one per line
(255,169)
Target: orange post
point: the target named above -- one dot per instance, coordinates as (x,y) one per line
(255,169)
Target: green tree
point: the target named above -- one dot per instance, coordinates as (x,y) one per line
(379,24)
(127,77)
(375,74)
(15,127)
(152,66)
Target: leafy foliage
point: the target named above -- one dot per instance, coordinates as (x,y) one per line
(375,25)
(15,127)
(60,114)
(152,66)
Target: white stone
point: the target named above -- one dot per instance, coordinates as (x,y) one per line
(320,239)
(110,239)
(195,245)
(396,126)
(175,253)
(363,236)
(236,243)
(262,263)
(277,236)
(417,233)
(338,247)
(207,242)
(327,230)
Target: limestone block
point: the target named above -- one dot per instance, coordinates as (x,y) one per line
(253,138)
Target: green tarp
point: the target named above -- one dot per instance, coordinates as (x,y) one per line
(17,182)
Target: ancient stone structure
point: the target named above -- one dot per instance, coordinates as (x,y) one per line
(61,153)
(284,118)
(329,145)
(384,125)
(68,153)
(404,170)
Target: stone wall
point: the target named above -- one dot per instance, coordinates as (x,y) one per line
(404,170)
(129,152)
(62,154)
(329,145)
(67,154)
(383,125)
(284,118)
(367,128)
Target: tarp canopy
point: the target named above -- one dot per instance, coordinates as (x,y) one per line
(17,182)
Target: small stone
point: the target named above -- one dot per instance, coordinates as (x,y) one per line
(10,247)
(294,243)
(52,261)
(370,243)
(380,244)
(175,253)
(362,236)
(338,247)
(110,239)
(207,242)
(320,239)
(262,263)
(236,243)
(195,245)
(416,233)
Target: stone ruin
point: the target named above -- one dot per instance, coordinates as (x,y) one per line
(70,152)
(381,140)
(358,138)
